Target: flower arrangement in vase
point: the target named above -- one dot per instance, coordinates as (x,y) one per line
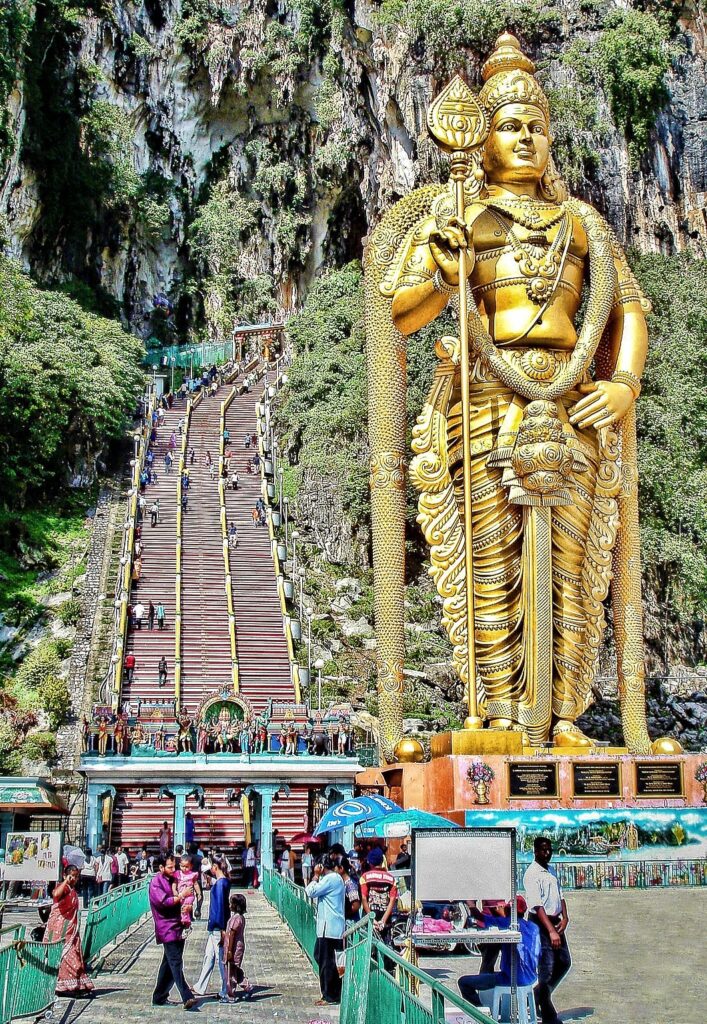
(480,775)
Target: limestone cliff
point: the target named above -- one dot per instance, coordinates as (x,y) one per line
(208,148)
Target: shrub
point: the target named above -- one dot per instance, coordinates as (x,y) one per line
(54,698)
(39,746)
(70,612)
(633,55)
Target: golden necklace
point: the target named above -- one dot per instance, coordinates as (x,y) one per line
(537,261)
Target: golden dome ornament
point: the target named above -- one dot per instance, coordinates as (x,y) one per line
(409,751)
(666,745)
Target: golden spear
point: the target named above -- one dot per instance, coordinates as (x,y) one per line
(459,125)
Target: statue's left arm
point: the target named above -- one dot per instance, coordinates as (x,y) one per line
(622,356)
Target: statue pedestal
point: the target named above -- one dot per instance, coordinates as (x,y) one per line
(476,741)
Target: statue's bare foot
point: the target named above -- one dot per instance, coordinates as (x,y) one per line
(567,734)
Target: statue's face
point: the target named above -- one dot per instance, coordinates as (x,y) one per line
(518,145)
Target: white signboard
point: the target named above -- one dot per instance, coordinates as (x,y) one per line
(33,856)
(463,864)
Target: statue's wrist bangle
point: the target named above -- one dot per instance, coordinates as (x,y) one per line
(629,379)
(441,286)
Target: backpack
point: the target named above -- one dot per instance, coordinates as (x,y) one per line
(114,867)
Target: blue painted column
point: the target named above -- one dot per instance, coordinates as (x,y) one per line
(266,795)
(341,791)
(93,817)
(97,793)
(180,792)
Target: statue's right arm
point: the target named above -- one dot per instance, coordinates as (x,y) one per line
(417,301)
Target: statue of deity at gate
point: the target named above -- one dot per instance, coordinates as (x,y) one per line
(525,450)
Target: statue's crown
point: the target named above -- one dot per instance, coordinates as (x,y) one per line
(508,77)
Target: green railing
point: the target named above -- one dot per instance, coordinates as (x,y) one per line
(28,973)
(380,986)
(28,969)
(112,914)
(201,355)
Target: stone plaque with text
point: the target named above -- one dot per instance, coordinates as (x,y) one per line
(658,778)
(527,780)
(601,780)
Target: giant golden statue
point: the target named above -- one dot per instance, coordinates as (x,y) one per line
(529,423)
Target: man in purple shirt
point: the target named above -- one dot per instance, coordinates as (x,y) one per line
(166,912)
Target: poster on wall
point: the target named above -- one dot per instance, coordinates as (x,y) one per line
(614,834)
(33,856)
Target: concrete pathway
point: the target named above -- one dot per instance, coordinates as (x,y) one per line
(638,958)
(285,986)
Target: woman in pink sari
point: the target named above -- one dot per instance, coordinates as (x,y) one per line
(63,923)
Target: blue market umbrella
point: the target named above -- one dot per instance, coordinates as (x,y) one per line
(349,812)
(401,823)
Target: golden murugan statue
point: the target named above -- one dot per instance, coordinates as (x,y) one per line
(530,421)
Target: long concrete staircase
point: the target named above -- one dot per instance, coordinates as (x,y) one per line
(262,651)
(260,642)
(206,648)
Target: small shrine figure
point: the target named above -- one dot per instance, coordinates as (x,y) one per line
(244,738)
(138,736)
(343,739)
(292,738)
(85,735)
(202,737)
(232,737)
(159,738)
(263,736)
(283,738)
(184,742)
(120,743)
(219,738)
(102,735)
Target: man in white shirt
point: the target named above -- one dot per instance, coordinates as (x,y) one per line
(105,875)
(123,866)
(139,614)
(549,911)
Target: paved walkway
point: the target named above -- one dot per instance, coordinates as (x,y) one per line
(638,958)
(285,985)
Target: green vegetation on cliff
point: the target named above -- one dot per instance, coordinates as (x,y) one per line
(68,378)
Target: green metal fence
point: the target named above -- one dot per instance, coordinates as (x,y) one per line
(28,973)
(112,914)
(186,356)
(28,969)
(380,986)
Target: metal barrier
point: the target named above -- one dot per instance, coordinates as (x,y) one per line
(28,969)
(379,986)
(627,874)
(28,973)
(110,915)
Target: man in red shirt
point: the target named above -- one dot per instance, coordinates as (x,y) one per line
(379,894)
(129,667)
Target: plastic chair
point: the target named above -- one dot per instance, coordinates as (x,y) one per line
(526,1004)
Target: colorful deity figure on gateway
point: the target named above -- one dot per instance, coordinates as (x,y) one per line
(529,423)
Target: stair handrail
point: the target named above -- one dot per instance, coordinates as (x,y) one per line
(287,627)
(224,538)
(191,405)
(110,688)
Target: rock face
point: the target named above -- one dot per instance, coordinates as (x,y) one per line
(310,119)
